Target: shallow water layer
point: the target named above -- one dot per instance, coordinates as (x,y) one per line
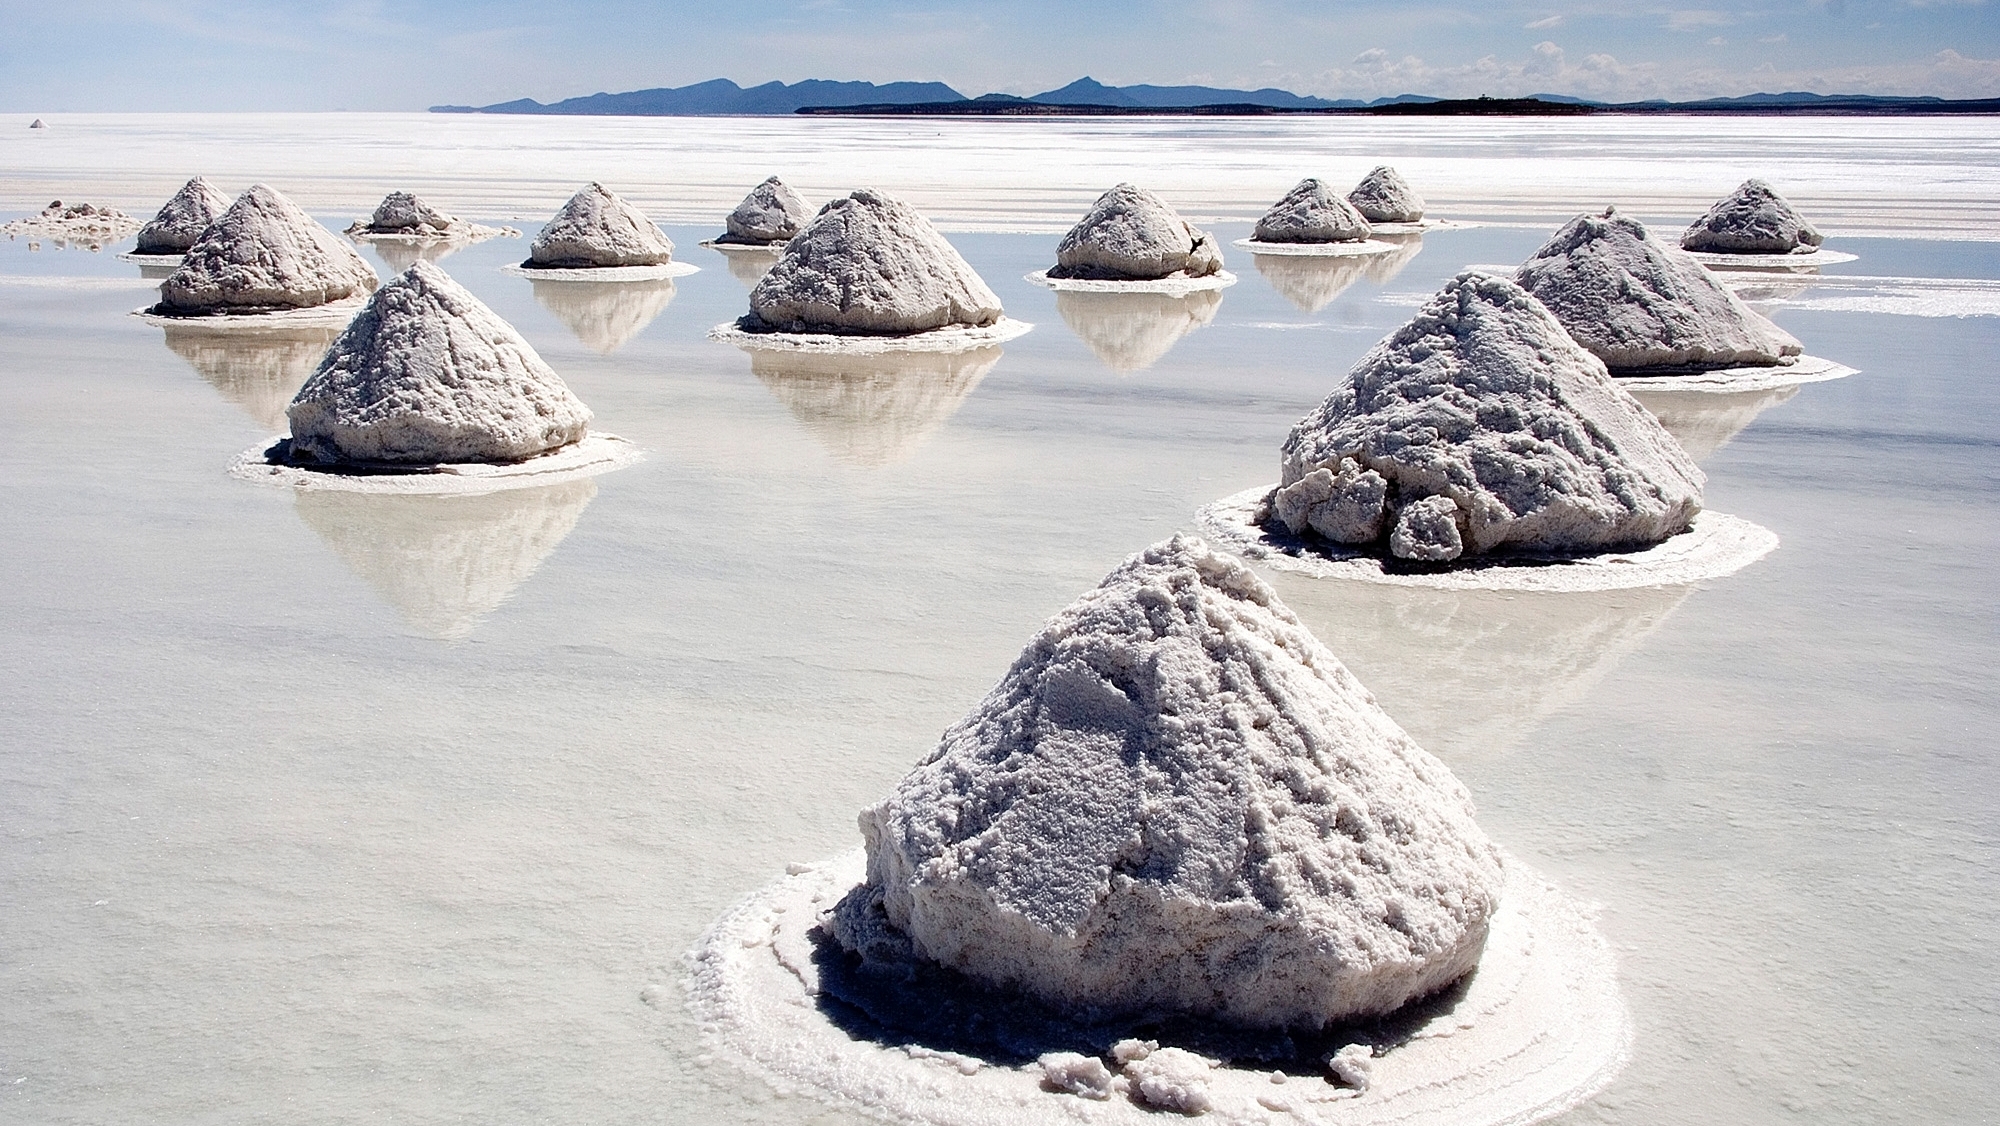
(320,810)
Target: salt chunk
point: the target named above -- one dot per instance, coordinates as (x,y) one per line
(1076,1073)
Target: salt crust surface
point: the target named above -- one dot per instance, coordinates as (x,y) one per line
(1360,249)
(951,338)
(1805,369)
(603,273)
(596,453)
(183,219)
(264,253)
(427,374)
(1540,1029)
(334,313)
(771,213)
(1383,196)
(1130,234)
(1753,219)
(771,249)
(598,228)
(1792,261)
(1170,287)
(1637,303)
(1312,212)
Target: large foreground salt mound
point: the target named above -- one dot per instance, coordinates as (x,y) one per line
(596,228)
(1481,425)
(1130,234)
(181,222)
(1179,800)
(427,374)
(1383,196)
(1311,212)
(1638,303)
(264,253)
(772,212)
(870,263)
(1753,219)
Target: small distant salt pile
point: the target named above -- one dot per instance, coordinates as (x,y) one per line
(404,213)
(1383,196)
(1753,219)
(1480,426)
(598,228)
(869,263)
(1178,799)
(181,222)
(77,222)
(1130,234)
(1637,303)
(264,253)
(1311,212)
(771,213)
(427,375)
(37,124)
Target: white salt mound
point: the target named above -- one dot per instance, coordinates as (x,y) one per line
(1638,303)
(426,374)
(1481,425)
(1179,800)
(37,124)
(181,222)
(870,263)
(772,212)
(1311,212)
(597,227)
(264,253)
(1130,234)
(404,213)
(1383,196)
(1753,219)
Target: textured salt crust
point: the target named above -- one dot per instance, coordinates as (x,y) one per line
(1171,287)
(151,259)
(1715,545)
(772,212)
(596,453)
(1383,196)
(460,232)
(1422,225)
(1812,261)
(1312,212)
(598,227)
(771,248)
(1762,377)
(1908,297)
(603,273)
(1356,249)
(333,313)
(1752,218)
(263,252)
(1131,234)
(181,221)
(1540,1029)
(99,227)
(950,338)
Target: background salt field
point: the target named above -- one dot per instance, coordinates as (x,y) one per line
(374,809)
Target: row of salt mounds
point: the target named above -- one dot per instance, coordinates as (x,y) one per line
(1753,219)
(1131,240)
(596,233)
(767,218)
(182,220)
(1313,219)
(263,257)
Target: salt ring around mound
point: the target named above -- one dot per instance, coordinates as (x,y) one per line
(335,313)
(1723,381)
(950,338)
(1353,248)
(151,259)
(1717,260)
(471,234)
(605,273)
(1171,287)
(1422,225)
(596,453)
(1540,1028)
(777,247)
(1715,545)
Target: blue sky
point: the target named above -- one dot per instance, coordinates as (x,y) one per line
(368,55)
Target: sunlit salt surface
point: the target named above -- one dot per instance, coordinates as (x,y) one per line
(339,812)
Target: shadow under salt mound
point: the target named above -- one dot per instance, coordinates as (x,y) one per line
(1310,283)
(1471,673)
(604,315)
(445,562)
(1130,332)
(1704,422)
(875,409)
(257,369)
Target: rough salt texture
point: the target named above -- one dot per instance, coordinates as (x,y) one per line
(1383,196)
(1353,1065)
(1484,402)
(427,374)
(772,212)
(598,228)
(403,213)
(1130,234)
(870,263)
(181,222)
(1172,1079)
(1311,212)
(264,253)
(1637,303)
(1179,800)
(1077,1074)
(1753,219)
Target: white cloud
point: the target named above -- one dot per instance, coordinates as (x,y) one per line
(1688,19)
(1544,23)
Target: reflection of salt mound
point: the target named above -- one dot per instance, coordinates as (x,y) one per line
(749,268)
(445,562)
(257,369)
(1130,234)
(598,228)
(1311,283)
(772,212)
(180,223)
(1385,267)
(1131,331)
(875,409)
(604,315)
(1704,422)
(1178,799)
(1311,212)
(1383,196)
(264,253)
(1637,303)
(400,254)
(1481,426)
(1753,219)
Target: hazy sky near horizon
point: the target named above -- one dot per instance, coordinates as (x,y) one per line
(370,55)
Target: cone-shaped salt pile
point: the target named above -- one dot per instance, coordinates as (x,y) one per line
(870,263)
(1178,799)
(1638,303)
(1383,196)
(1130,234)
(772,212)
(183,219)
(1311,212)
(37,124)
(426,375)
(403,213)
(1480,425)
(1753,219)
(264,253)
(598,228)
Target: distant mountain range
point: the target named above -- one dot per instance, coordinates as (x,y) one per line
(1089,96)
